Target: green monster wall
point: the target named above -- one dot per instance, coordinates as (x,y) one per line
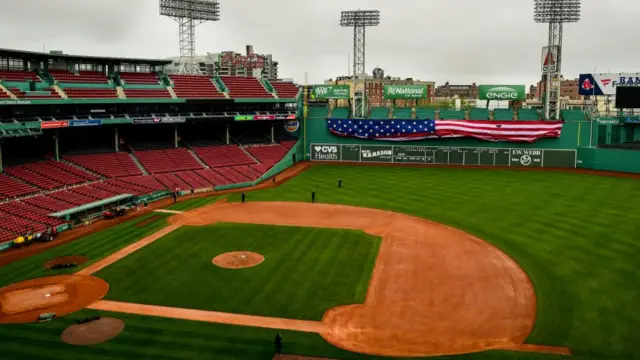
(575,148)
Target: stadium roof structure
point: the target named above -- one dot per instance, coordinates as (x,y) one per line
(41,56)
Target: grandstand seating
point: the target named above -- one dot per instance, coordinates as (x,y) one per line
(6,235)
(232,175)
(12,188)
(340,113)
(268,154)
(93,192)
(402,113)
(169,160)
(171,181)
(288,144)
(147,93)
(21,76)
(89,93)
(33,178)
(19,225)
(4,95)
(194,180)
(479,114)
(194,86)
(502,114)
(213,177)
(573,115)
(23,95)
(285,89)
(139,78)
(74,197)
(48,203)
(425,113)
(30,213)
(87,77)
(50,174)
(109,164)
(245,87)
(223,155)
(141,180)
(528,114)
(451,114)
(379,113)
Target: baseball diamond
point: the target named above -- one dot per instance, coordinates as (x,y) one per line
(210,207)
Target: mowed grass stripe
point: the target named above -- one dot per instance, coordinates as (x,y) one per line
(306,270)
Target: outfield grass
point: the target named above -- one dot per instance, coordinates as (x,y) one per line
(577,236)
(306,270)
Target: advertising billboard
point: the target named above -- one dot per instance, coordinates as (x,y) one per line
(628,97)
(54,124)
(159,120)
(323,92)
(501,92)
(265,117)
(405,92)
(605,84)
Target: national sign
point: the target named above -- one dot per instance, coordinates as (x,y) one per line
(605,84)
(411,130)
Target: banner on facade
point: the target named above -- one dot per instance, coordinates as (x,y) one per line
(323,92)
(405,92)
(54,124)
(502,92)
(159,120)
(606,84)
(92,122)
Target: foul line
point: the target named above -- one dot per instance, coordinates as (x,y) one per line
(99,265)
(168,211)
(209,316)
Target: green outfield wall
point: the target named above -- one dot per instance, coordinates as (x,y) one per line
(577,147)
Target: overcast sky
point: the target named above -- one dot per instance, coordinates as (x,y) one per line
(460,41)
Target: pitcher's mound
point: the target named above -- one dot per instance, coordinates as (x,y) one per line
(65,260)
(238,260)
(92,332)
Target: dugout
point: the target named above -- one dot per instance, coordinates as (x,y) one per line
(80,214)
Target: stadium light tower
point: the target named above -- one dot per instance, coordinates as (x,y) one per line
(359,20)
(189,14)
(555,13)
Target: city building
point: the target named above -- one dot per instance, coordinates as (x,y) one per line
(229,63)
(462,91)
(568,89)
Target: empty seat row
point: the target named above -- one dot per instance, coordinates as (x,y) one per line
(19,225)
(29,212)
(109,164)
(147,93)
(138,78)
(84,93)
(194,86)
(223,155)
(268,154)
(285,89)
(10,187)
(91,77)
(168,160)
(18,75)
(245,87)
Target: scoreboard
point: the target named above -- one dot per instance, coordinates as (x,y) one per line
(406,154)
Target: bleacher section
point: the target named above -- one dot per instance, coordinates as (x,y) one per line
(49,203)
(109,165)
(402,113)
(268,154)
(245,87)
(479,114)
(451,114)
(147,93)
(573,115)
(503,114)
(139,78)
(29,213)
(528,115)
(189,86)
(4,95)
(13,226)
(425,113)
(10,187)
(20,76)
(87,77)
(90,93)
(169,160)
(379,113)
(285,89)
(223,155)
(50,174)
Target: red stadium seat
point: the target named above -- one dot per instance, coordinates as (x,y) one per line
(10,187)
(139,78)
(268,154)
(169,160)
(194,86)
(88,77)
(147,93)
(285,89)
(245,87)
(87,93)
(16,75)
(109,165)
(223,155)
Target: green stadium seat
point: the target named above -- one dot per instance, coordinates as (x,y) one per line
(502,114)
(379,113)
(425,113)
(572,115)
(528,115)
(452,114)
(402,113)
(339,113)
(479,114)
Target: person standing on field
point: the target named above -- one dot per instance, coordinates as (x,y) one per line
(243,196)
(278,342)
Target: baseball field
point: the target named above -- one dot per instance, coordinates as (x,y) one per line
(400,261)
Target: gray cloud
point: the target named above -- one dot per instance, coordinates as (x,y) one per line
(461,41)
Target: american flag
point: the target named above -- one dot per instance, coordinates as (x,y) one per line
(408,130)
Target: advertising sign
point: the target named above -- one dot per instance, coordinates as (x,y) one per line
(292,125)
(403,154)
(243,117)
(159,120)
(93,122)
(605,84)
(549,59)
(410,92)
(323,92)
(264,117)
(501,92)
(54,124)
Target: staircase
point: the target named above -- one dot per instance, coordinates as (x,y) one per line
(249,154)
(220,89)
(268,87)
(59,91)
(11,95)
(120,91)
(138,164)
(173,93)
(193,153)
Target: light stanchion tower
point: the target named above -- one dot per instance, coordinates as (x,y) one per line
(555,13)
(359,20)
(189,14)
